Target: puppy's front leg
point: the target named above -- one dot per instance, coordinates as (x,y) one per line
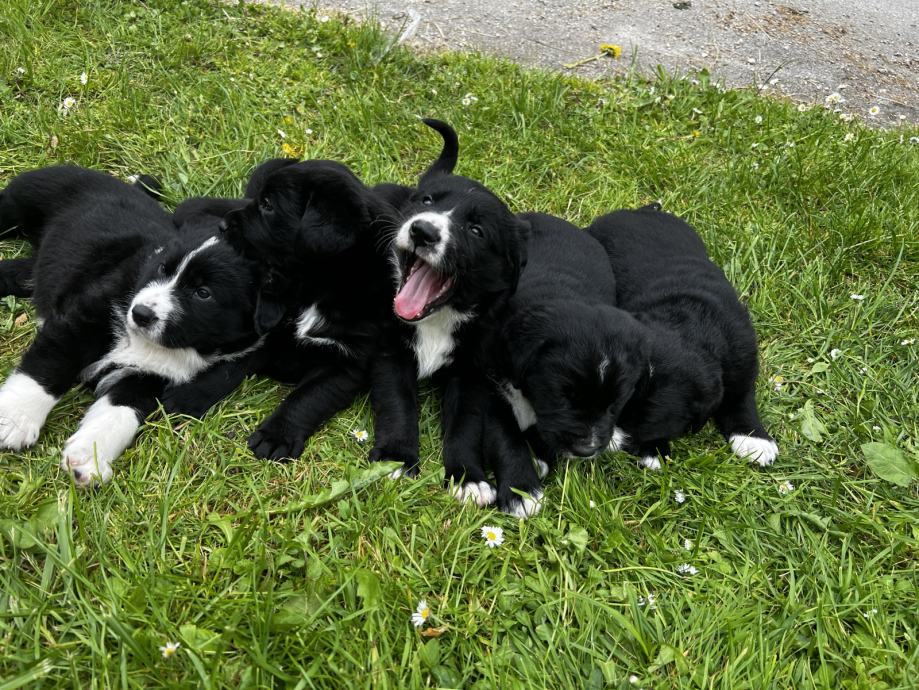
(519,490)
(109,428)
(197,396)
(327,390)
(394,398)
(463,411)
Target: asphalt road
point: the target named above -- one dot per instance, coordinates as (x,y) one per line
(868,52)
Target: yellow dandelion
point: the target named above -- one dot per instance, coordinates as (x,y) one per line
(611,49)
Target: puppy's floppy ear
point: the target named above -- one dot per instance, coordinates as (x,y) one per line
(269,305)
(446,162)
(337,209)
(258,176)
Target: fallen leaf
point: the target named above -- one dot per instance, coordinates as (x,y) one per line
(22,319)
(433,632)
(889,463)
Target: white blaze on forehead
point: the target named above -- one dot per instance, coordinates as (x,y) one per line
(158,295)
(432,254)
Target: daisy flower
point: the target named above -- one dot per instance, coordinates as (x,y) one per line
(802,107)
(650,601)
(421,614)
(84,78)
(874,111)
(679,496)
(20,70)
(914,140)
(170,649)
(835,353)
(908,341)
(592,504)
(786,487)
(755,165)
(777,382)
(361,435)
(67,105)
(469,99)
(875,428)
(633,679)
(868,614)
(758,120)
(856,296)
(282,134)
(686,569)
(493,536)
(307,131)
(849,136)
(834,97)
(687,544)
(846,117)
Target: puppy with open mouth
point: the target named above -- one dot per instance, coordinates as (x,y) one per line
(126,305)
(458,255)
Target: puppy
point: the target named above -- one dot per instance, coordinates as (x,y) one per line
(561,357)
(319,235)
(125,303)
(690,337)
(458,255)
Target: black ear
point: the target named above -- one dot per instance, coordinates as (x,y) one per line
(517,250)
(337,209)
(258,176)
(268,313)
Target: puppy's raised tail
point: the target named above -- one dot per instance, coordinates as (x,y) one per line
(446,162)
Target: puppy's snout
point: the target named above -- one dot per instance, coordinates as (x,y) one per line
(143,315)
(424,234)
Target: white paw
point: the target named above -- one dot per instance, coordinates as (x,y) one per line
(397,473)
(762,451)
(618,441)
(526,506)
(542,468)
(24,406)
(84,463)
(104,433)
(481,493)
(650,462)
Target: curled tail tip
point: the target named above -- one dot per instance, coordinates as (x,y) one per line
(446,162)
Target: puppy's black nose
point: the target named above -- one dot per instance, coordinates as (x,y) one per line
(424,233)
(143,316)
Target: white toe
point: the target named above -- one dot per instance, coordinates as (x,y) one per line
(762,451)
(481,493)
(542,468)
(104,433)
(650,462)
(525,507)
(618,441)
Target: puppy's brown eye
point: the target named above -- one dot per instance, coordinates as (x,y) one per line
(476,230)
(203,293)
(161,269)
(265,204)
(427,200)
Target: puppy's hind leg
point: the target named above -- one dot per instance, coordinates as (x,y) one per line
(16,277)
(738,420)
(519,489)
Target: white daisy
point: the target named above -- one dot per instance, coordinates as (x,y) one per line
(67,105)
(786,487)
(592,504)
(802,107)
(914,140)
(686,569)
(361,435)
(758,119)
(493,536)
(835,353)
(169,649)
(908,341)
(846,117)
(307,131)
(421,614)
(868,614)
(875,428)
(834,97)
(282,134)
(687,544)
(633,679)
(469,99)
(849,136)
(679,496)
(874,111)
(754,165)
(856,296)
(20,70)
(84,78)
(650,601)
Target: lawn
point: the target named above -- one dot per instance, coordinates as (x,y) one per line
(306,575)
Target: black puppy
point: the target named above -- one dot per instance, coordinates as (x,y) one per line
(458,254)
(319,235)
(693,337)
(126,304)
(560,355)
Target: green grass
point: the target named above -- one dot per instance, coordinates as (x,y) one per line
(305,575)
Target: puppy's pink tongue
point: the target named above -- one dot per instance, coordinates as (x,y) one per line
(420,289)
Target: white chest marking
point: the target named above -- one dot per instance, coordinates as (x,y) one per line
(310,322)
(434,342)
(523,410)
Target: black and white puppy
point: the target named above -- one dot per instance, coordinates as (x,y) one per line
(458,255)
(320,236)
(125,303)
(690,334)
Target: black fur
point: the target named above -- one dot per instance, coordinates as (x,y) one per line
(102,248)
(698,340)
